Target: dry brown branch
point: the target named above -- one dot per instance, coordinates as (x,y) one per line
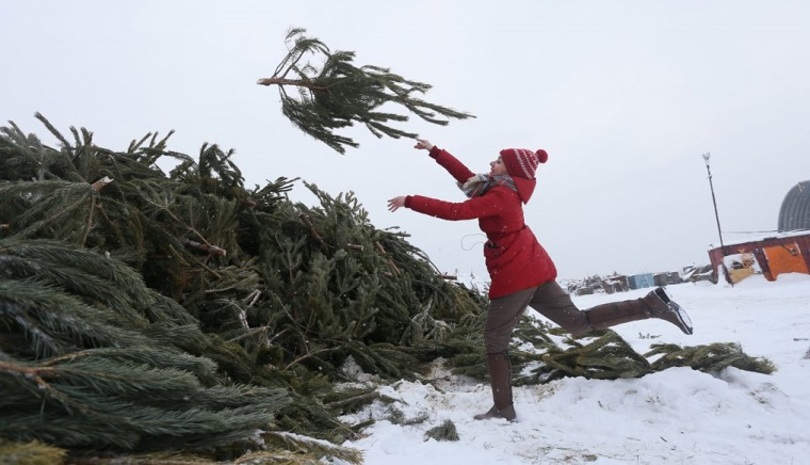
(101,183)
(209,248)
(395,270)
(314,232)
(289,82)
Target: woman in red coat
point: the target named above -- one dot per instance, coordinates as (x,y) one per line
(521,272)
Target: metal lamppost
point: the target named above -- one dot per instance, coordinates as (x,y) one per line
(706,157)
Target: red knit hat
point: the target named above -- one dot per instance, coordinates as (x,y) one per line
(521,165)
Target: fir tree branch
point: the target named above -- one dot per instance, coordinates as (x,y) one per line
(339,94)
(30,453)
(320,447)
(308,355)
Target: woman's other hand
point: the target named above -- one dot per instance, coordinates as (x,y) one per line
(396,203)
(423,144)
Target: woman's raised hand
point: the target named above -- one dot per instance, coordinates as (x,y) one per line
(396,203)
(423,144)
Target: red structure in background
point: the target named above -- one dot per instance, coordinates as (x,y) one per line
(788,253)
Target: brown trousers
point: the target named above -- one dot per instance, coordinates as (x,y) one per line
(549,299)
(555,304)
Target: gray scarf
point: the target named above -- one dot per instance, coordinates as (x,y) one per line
(480,183)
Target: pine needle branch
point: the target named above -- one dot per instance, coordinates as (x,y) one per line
(318,447)
(339,94)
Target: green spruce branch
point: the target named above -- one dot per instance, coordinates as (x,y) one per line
(338,94)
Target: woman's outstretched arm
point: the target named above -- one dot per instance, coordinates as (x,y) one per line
(457,169)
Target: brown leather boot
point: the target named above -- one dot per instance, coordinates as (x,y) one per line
(615,313)
(656,304)
(500,378)
(663,307)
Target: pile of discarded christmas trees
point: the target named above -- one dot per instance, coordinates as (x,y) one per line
(147,311)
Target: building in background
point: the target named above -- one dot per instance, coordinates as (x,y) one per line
(640,281)
(787,251)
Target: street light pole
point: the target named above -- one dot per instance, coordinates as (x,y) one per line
(706,157)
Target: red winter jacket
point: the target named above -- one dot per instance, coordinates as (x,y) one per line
(514,258)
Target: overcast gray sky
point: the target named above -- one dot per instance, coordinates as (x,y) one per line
(624,95)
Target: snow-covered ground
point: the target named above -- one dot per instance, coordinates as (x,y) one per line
(676,416)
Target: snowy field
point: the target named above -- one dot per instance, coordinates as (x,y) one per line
(677,416)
